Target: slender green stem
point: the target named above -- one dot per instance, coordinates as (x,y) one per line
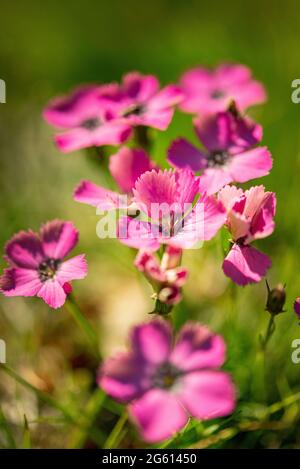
(7,430)
(269,332)
(83,323)
(113,437)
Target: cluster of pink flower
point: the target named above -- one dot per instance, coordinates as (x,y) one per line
(162,384)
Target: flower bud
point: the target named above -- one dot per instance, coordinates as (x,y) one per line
(276,299)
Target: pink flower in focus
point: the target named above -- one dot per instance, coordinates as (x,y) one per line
(143,103)
(164,385)
(125,166)
(229,155)
(249,217)
(37,265)
(88,117)
(297,307)
(167,277)
(210,91)
(170,212)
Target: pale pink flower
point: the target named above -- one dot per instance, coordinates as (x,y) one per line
(229,154)
(250,216)
(208,91)
(37,266)
(165,384)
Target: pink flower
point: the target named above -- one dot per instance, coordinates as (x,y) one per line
(229,155)
(37,266)
(167,277)
(145,104)
(125,166)
(297,307)
(169,212)
(209,91)
(89,117)
(249,217)
(164,385)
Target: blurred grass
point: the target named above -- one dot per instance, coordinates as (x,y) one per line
(46,49)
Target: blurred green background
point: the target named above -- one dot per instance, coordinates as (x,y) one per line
(48,47)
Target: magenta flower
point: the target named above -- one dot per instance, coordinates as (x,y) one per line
(164,385)
(125,166)
(297,307)
(37,266)
(229,156)
(167,277)
(209,91)
(88,117)
(249,217)
(145,104)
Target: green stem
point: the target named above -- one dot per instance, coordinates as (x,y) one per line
(269,332)
(112,438)
(83,323)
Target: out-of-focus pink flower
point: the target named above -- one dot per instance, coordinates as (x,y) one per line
(88,117)
(125,166)
(208,91)
(143,103)
(170,213)
(37,266)
(164,385)
(297,307)
(229,156)
(249,217)
(167,277)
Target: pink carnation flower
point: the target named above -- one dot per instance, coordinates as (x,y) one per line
(125,166)
(164,385)
(249,217)
(88,117)
(37,265)
(167,277)
(209,91)
(229,156)
(167,200)
(297,307)
(143,103)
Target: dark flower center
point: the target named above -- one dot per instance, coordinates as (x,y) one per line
(48,268)
(166,376)
(91,123)
(134,110)
(217,158)
(217,94)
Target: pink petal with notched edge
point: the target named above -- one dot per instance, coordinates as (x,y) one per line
(247,95)
(262,224)
(137,234)
(58,238)
(165,98)
(139,87)
(251,164)
(229,74)
(158,119)
(20,282)
(72,269)
(216,131)
(25,250)
(297,307)
(124,377)
(155,187)
(127,165)
(89,193)
(182,155)
(158,415)
(245,264)
(213,179)
(207,394)
(110,133)
(229,195)
(52,293)
(152,342)
(201,224)
(197,347)
(187,187)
